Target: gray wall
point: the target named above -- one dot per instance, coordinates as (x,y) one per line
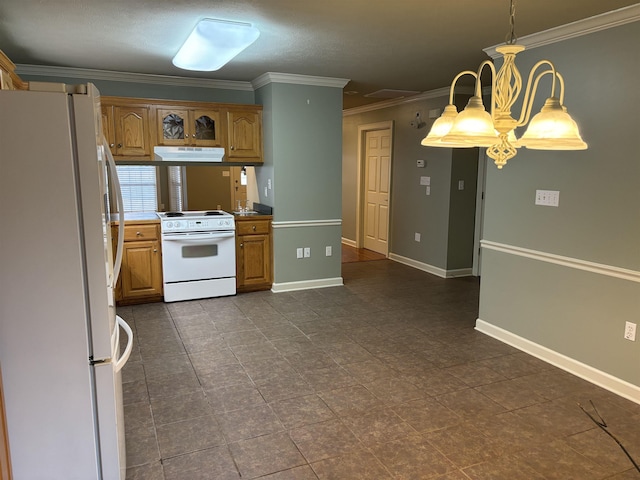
(574,312)
(445,219)
(303,138)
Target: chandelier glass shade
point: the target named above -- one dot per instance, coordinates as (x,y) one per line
(551,129)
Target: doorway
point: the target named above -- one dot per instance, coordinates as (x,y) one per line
(375,143)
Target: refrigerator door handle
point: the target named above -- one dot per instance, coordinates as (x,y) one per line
(120,204)
(127,351)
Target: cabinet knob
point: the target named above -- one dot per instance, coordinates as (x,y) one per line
(232,147)
(138,233)
(155,250)
(119,145)
(242,245)
(111,145)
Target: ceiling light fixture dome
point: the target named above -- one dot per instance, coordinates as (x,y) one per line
(213,43)
(551,129)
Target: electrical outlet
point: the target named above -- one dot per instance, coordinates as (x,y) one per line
(630,331)
(417,237)
(327,251)
(298,253)
(307,252)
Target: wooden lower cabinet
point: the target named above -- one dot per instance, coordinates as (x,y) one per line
(5,458)
(141,272)
(254,257)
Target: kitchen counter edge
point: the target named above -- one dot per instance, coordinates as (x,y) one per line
(140,217)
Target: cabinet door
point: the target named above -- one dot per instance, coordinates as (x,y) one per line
(254,265)
(114,248)
(206,130)
(132,131)
(141,269)
(174,126)
(108,127)
(245,134)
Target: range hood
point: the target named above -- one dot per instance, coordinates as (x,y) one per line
(188,154)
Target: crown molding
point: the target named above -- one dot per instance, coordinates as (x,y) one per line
(437,93)
(87,73)
(597,23)
(273,77)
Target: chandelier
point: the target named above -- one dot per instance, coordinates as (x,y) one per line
(551,129)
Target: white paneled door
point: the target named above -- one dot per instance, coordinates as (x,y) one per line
(377,184)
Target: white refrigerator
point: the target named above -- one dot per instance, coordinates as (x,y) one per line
(59,334)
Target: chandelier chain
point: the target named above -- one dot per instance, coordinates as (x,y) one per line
(512,38)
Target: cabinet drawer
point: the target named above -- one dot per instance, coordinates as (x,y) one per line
(140,232)
(252,227)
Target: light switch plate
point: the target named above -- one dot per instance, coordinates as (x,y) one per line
(548,198)
(425,180)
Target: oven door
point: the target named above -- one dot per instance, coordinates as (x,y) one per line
(198,256)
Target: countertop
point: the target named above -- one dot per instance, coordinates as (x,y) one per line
(139,217)
(248,215)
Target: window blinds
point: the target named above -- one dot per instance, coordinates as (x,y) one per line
(139,187)
(176,188)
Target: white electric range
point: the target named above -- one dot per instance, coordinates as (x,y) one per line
(198,254)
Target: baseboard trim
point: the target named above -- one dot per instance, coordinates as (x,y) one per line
(586,372)
(307,284)
(425,267)
(349,243)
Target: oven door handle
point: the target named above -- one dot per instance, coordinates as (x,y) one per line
(197,237)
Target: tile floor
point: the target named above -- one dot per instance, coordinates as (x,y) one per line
(384,378)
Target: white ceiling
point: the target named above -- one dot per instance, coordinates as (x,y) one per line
(377,44)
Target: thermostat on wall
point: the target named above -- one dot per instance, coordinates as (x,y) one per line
(420,163)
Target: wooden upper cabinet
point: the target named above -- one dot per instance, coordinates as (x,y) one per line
(128,130)
(189,126)
(133,126)
(244,141)
(9,80)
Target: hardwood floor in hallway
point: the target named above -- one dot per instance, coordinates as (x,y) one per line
(352,254)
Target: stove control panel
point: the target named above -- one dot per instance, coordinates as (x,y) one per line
(197,224)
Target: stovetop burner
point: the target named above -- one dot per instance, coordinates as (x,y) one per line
(214,212)
(174,214)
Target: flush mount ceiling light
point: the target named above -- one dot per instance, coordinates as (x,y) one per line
(551,129)
(213,43)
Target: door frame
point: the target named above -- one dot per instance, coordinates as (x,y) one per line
(479,218)
(361,184)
